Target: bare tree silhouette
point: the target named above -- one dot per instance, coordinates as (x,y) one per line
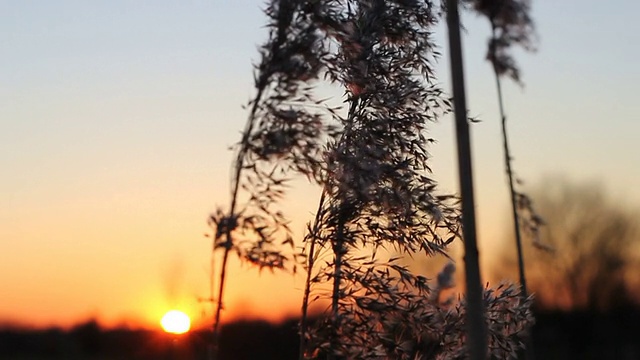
(593,239)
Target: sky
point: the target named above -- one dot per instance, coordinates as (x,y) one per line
(116,119)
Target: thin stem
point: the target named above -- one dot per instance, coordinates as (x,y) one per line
(216,324)
(338,245)
(232,216)
(311,256)
(476,324)
(307,285)
(528,352)
(338,250)
(211,300)
(243,149)
(514,201)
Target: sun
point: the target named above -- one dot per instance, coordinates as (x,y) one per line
(175,322)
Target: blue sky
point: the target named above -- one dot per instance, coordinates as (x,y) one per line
(116,118)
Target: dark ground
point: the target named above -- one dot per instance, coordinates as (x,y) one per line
(557,335)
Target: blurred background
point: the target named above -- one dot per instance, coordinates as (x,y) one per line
(116,120)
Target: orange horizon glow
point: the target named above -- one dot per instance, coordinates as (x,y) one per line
(249,295)
(118,123)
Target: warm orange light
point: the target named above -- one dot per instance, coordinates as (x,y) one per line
(175,322)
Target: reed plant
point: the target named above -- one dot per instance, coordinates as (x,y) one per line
(369,156)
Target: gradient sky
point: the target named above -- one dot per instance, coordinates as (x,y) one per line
(116,118)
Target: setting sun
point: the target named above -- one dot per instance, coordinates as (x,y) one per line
(175,322)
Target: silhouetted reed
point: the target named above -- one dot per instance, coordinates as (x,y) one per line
(371,161)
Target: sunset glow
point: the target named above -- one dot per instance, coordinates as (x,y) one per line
(118,126)
(175,322)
